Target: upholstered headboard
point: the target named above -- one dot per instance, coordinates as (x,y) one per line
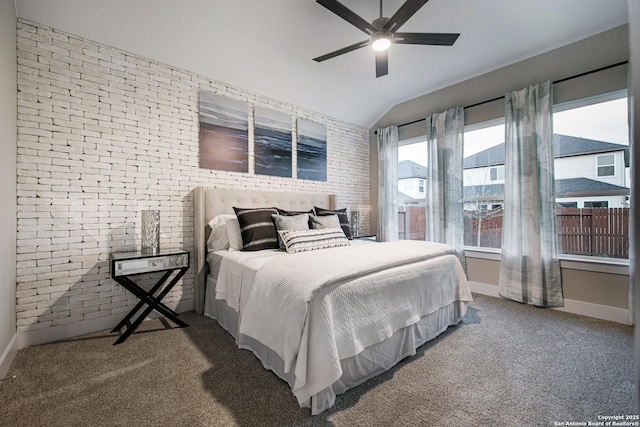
(210,202)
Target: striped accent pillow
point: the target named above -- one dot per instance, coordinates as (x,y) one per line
(257,228)
(296,241)
(342,214)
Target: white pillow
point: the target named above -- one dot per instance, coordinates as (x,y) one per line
(219,237)
(235,236)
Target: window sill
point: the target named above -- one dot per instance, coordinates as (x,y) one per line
(570,262)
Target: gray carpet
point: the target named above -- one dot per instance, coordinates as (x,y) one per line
(506,364)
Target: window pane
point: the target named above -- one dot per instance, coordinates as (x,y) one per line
(494,174)
(593,202)
(567,205)
(605,160)
(600,204)
(483,179)
(412,172)
(606,171)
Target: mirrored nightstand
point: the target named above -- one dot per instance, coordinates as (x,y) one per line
(126,264)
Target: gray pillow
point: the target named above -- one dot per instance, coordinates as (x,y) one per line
(325,221)
(292,222)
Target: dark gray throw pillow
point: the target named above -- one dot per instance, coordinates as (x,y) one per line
(257,228)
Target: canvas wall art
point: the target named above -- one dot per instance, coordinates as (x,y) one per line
(272,137)
(224,133)
(312,150)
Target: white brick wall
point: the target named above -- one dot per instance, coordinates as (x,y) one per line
(104,134)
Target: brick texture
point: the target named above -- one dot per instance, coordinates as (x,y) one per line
(104,134)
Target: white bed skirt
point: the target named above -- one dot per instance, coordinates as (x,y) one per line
(370,362)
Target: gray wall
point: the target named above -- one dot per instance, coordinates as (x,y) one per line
(586,55)
(8,123)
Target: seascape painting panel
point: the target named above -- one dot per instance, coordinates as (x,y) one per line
(272,136)
(224,133)
(312,151)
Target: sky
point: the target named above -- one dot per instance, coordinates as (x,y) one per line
(605,121)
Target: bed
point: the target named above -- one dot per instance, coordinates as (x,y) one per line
(324,320)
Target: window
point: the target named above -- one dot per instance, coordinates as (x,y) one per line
(606,165)
(483,179)
(601,204)
(412,167)
(497,173)
(586,133)
(567,204)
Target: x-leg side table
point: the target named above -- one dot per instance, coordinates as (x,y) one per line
(126,264)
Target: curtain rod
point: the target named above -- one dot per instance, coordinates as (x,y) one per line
(502,97)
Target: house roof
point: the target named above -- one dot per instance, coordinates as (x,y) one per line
(404,199)
(410,169)
(570,187)
(577,187)
(563,146)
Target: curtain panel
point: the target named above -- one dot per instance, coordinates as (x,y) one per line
(388,184)
(633,225)
(530,268)
(444,199)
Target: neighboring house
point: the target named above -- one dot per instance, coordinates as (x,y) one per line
(411,182)
(588,173)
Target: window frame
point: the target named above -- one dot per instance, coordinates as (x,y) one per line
(608,165)
(578,262)
(499,175)
(584,102)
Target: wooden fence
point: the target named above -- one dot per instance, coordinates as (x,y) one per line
(602,232)
(412,222)
(483,230)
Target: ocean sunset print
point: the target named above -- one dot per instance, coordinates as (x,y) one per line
(273,144)
(224,133)
(312,151)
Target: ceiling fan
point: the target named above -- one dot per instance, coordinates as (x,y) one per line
(383,32)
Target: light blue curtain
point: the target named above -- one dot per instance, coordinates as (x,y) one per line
(388,184)
(445,221)
(530,269)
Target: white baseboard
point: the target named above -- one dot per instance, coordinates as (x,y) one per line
(8,355)
(604,312)
(58,333)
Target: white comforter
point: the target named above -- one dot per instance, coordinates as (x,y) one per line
(362,298)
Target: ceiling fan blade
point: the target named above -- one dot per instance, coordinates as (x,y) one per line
(348,15)
(437,39)
(406,11)
(382,63)
(341,51)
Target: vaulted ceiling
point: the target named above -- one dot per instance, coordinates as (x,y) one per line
(267,46)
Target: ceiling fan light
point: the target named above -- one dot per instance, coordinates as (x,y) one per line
(381,41)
